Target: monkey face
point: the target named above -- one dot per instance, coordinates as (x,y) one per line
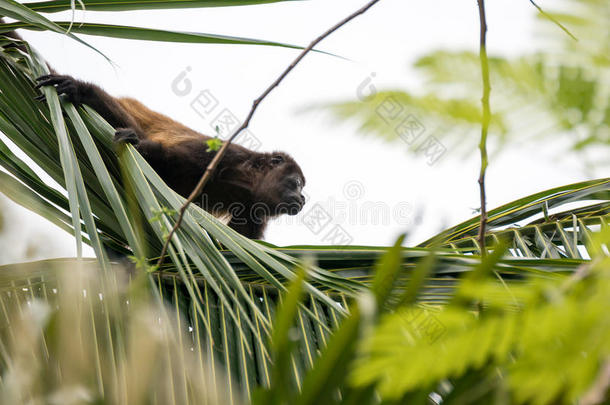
(281,184)
(292,196)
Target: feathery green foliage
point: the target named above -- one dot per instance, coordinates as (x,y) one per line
(563,91)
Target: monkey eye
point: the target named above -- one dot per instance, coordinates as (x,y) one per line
(276,160)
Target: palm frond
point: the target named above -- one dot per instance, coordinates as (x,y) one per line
(543,225)
(55,6)
(146,34)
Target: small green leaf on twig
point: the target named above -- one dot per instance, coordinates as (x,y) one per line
(142,264)
(213,144)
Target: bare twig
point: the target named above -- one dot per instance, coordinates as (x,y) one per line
(485,122)
(219,155)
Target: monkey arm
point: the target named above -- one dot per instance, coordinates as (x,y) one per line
(79,92)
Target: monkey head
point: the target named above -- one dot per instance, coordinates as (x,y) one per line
(279,184)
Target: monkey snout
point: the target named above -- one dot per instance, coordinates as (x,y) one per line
(295,203)
(295,209)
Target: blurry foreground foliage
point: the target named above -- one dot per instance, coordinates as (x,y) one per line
(79,336)
(76,335)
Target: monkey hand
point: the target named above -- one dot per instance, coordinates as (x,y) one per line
(66,85)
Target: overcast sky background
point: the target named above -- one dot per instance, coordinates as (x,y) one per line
(346,173)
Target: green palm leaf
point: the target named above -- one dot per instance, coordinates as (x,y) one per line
(146,34)
(121,5)
(533,230)
(19,12)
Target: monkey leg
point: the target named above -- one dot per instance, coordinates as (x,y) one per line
(152,151)
(126,135)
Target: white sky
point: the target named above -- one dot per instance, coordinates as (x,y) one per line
(334,158)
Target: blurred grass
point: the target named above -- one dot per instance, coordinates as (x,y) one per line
(84,336)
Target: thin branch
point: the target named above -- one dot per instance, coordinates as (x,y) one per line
(485,123)
(214,163)
(553,19)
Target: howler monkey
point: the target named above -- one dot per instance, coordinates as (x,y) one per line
(249,186)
